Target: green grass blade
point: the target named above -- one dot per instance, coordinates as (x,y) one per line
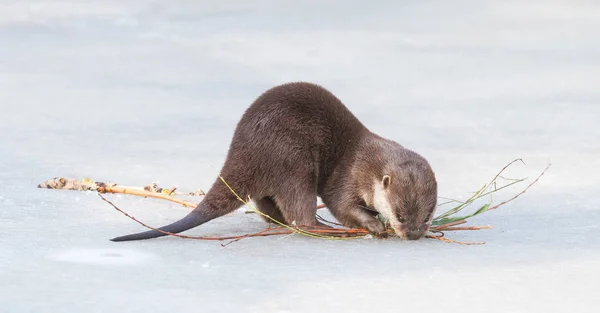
(446,220)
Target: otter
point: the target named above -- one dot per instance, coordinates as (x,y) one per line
(297,142)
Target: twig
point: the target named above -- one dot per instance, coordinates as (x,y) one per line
(522,192)
(507,166)
(86,184)
(263,232)
(319,217)
(144,193)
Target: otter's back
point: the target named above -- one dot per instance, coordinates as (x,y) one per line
(295,122)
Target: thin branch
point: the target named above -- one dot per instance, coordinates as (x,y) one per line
(522,192)
(144,193)
(322,219)
(478,193)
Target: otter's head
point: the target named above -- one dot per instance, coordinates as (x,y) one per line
(407,196)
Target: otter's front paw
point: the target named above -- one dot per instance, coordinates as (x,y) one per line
(376,228)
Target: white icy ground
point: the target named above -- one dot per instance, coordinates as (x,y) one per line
(141,91)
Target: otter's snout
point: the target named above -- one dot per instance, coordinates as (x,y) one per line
(414,235)
(411,234)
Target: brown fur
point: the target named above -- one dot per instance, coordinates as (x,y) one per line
(298,141)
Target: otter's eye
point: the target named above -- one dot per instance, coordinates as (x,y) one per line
(401,219)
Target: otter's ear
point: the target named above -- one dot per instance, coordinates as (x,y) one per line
(386,181)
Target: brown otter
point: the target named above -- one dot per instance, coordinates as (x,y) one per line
(298,141)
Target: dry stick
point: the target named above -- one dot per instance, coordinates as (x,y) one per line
(522,192)
(86,184)
(245,236)
(327,221)
(506,166)
(144,193)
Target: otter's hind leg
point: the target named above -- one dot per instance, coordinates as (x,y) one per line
(267,206)
(298,207)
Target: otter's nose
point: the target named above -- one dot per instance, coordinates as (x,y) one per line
(411,234)
(414,235)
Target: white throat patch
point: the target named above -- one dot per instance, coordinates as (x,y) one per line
(383,206)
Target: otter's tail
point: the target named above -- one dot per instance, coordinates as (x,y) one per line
(195,218)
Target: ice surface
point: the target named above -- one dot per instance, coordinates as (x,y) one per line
(139,91)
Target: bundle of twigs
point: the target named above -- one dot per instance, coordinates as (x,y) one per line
(447,221)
